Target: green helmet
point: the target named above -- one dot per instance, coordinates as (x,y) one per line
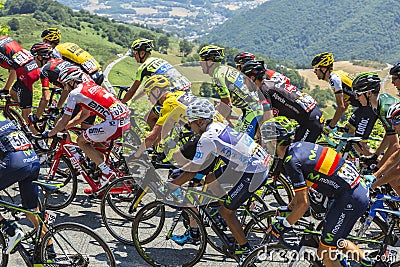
(278,128)
(365,82)
(212,52)
(142,45)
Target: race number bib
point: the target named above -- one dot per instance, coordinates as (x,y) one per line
(89,65)
(118,109)
(19,141)
(349,174)
(22,57)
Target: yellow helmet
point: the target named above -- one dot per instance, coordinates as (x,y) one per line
(154,82)
(51,34)
(142,45)
(324,59)
(212,52)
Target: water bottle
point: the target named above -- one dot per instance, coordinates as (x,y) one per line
(219,221)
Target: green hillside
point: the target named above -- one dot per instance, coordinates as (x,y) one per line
(294,31)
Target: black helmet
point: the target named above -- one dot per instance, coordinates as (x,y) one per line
(365,82)
(254,68)
(41,49)
(395,70)
(243,57)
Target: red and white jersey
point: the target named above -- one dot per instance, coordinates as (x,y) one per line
(96,99)
(277,77)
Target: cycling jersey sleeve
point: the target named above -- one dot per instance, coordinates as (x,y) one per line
(219,83)
(204,148)
(336,83)
(71,102)
(293,169)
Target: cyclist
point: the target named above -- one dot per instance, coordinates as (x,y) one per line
(141,51)
(50,73)
(24,69)
(395,72)
(241,58)
(19,163)
(323,169)
(233,90)
(102,103)
(286,100)
(390,170)
(73,53)
(323,68)
(172,108)
(245,161)
(366,87)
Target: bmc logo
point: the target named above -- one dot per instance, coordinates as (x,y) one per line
(99,108)
(96,130)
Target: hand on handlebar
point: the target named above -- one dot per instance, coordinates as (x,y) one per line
(279,227)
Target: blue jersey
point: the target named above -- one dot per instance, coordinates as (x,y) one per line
(322,168)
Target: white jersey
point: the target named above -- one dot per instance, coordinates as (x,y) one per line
(238,150)
(336,82)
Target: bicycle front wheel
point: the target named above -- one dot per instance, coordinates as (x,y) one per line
(75,245)
(154,236)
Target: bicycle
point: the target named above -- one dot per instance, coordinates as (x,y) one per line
(156,222)
(74,244)
(67,161)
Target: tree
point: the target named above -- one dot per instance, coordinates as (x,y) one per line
(3,28)
(14,24)
(185,47)
(163,43)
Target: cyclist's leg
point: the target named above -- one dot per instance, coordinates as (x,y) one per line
(311,128)
(250,124)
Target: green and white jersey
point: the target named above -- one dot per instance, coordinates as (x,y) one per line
(384,102)
(153,66)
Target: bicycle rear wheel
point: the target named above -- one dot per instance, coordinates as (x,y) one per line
(77,245)
(278,192)
(152,236)
(3,256)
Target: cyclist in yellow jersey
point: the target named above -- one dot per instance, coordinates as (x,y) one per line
(323,68)
(141,51)
(232,88)
(74,54)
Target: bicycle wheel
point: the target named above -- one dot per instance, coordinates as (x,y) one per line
(152,236)
(116,204)
(278,192)
(14,116)
(77,245)
(256,230)
(3,256)
(278,255)
(66,174)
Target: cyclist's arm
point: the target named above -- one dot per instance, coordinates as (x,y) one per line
(152,139)
(11,78)
(184,178)
(391,142)
(131,92)
(389,170)
(82,115)
(340,110)
(44,101)
(63,97)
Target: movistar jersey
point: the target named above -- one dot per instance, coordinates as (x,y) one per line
(12,139)
(286,100)
(229,82)
(159,66)
(238,150)
(384,102)
(322,168)
(73,53)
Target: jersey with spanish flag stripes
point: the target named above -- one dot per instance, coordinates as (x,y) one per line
(322,168)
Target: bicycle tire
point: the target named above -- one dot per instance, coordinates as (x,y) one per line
(70,248)
(67,175)
(4,257)
(163,251)
(282,192)
(115,206)
(15,116)
(255,230)
(271,254)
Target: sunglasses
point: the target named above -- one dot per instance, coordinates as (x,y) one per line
(395,122)
(394,79)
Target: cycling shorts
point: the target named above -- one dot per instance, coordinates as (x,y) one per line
(24,174)
(242,189)
(250,123)
(310,129)
(107,130)
(343,213)
(27,75)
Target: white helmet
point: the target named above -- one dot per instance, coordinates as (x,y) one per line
(70,73)
(200,109)
(392,109)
